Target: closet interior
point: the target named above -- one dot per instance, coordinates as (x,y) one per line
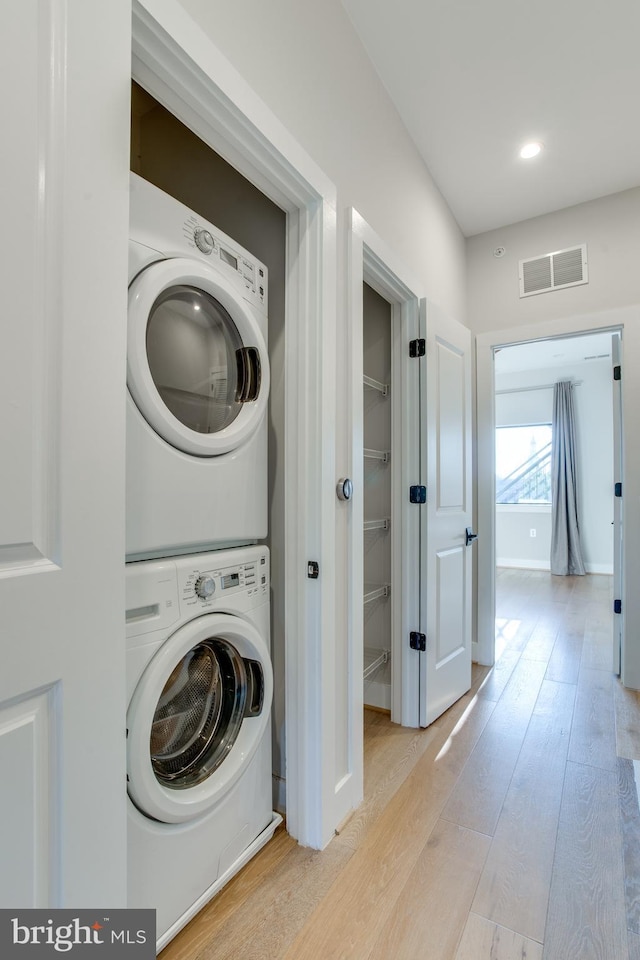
(377,534)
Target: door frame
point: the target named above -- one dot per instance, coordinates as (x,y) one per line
(179,65)
(370,260)
(627,321)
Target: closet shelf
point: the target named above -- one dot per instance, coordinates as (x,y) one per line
(377,524)
(373,591)
(374,658)
(384,455)
(376,385)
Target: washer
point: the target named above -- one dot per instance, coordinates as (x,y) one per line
(200,686)
(198,383)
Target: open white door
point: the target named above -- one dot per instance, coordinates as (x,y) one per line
(64,69)
(446,551)
(617,503)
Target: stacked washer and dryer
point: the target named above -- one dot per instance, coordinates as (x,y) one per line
(199,676)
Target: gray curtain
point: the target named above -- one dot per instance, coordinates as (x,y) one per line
(566,551)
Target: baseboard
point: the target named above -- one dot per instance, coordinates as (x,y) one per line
(524,564)
(604,568)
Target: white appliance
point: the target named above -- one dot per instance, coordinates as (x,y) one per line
(198,383)
(199,688)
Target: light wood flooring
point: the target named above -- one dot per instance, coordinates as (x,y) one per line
(508,829)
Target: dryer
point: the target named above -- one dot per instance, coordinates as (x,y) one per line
(198,383)
(200,685)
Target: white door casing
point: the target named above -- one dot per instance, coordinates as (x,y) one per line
(179,65)
(370,260)
(446,559)
(62,389)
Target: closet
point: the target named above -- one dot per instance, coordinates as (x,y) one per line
(169,155)
(377,533)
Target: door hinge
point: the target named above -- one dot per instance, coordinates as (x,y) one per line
(418,641)
(617,606)
(417,348)
(618,489)
(617,372)
(418,494)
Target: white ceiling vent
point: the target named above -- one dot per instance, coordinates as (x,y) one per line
(564,268)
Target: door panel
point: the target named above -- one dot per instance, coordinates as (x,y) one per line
(446,561)
(618,621)
(63,244)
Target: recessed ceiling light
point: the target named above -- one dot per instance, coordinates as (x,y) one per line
(530,150)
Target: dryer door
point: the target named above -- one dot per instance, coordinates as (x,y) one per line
(196,717)
(197,364)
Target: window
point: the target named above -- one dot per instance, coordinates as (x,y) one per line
(523,464)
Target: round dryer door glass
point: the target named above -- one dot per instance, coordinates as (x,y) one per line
(197,360)
(199,714)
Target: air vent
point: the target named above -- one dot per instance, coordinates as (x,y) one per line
(564,268)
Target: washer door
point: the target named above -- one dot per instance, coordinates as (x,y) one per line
(197,716)
(197,363)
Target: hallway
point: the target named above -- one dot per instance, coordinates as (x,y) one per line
(507,829)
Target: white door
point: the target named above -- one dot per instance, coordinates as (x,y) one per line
(64,116)
(616,360)
(446,557)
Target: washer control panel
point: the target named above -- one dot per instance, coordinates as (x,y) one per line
(209,583)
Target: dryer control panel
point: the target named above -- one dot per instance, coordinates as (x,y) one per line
(162,223)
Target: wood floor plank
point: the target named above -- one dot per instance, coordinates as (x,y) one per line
(496,681)
(627,716)
(564,662)
(593,734)
(206,924)
(630,822)
(350,917)
(445,878)
(267,923)
(586,904)
(478,796)
(634,945)
(514,887)
(541,641)
(484,940)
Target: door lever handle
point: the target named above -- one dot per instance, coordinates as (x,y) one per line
(469,536)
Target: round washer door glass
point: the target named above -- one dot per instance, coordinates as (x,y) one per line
(196,358)
(199,714)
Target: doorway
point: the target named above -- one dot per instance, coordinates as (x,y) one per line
(505,396)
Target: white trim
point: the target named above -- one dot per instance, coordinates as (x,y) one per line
(523,508)
(606,569)
(175,60)
(596,568)
(523,564)
(627,320)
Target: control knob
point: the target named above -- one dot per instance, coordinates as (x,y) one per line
(205,587)
(204,241)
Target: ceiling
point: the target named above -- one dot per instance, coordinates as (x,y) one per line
(475,79)
(559,352)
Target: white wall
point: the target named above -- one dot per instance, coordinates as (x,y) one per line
(593,401)
(609,227)
(306,62)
